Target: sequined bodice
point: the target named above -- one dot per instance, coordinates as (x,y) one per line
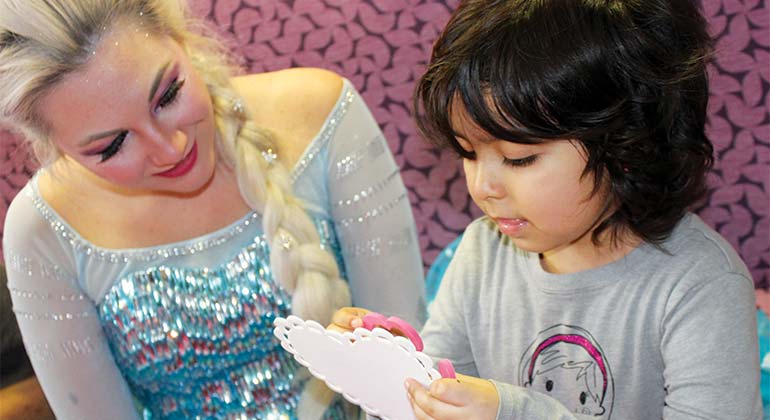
(198,343)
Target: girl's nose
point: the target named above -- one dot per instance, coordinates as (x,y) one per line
(486,181)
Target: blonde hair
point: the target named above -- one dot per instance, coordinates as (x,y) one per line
(42,41)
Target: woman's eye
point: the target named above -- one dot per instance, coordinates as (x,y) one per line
(113,147)
(520,162)
(171,93)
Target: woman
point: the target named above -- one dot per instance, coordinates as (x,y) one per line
(164,233)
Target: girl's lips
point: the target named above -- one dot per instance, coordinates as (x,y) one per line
(511,227)
(184,166)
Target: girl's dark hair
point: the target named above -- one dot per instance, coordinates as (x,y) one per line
(627,78)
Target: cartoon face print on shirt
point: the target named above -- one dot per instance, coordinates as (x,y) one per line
(565,363)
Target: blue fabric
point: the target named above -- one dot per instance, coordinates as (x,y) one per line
(763,329)
(437,269)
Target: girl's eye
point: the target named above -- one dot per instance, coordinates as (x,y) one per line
(170,95)
(519,163)
(113,147)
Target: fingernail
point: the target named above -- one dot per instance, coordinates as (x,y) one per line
(408,387)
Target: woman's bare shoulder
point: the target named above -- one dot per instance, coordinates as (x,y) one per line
(307,92)
(293,104)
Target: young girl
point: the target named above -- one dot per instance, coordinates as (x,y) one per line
(149,256)
(588,290)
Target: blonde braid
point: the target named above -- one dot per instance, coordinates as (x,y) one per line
(303,268)
(306,270)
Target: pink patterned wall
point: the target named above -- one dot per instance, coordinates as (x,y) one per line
(382,47)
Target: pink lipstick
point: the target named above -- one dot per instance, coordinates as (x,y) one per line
(184,166)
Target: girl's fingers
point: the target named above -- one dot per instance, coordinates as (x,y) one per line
(347,319)
(418,413)
(450,391)
(425,405)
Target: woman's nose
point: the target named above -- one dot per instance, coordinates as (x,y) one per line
(166,149)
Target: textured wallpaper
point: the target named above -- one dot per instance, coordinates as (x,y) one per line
(382,47)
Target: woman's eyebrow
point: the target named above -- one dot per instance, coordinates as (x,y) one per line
(98,136)
(153,90)
(158,78)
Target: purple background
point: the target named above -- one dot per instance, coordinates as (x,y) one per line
(382,46)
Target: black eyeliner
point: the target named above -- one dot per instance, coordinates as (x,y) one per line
(170,95)
(113,147)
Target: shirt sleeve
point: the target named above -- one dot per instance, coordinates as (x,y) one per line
(58,322)
(445,334)
(373,217)
(701,382)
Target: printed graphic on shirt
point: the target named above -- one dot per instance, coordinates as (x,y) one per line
(566,363)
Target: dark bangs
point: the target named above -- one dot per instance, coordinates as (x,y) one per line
(525,75)
(625,78)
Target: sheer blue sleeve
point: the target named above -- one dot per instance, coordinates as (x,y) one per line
(371,211)
(58,321)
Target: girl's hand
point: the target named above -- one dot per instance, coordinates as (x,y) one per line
(347,319)
(454,399)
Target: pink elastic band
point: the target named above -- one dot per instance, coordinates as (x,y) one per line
(446,369)
(373,320)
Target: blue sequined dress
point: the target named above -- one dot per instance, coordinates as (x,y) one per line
(185,329)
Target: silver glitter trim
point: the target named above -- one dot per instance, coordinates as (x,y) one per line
(39,352)
(327,134)
(19,263)
(367,192)
(375,212)
(74,348)
(29,294)
(376,247)
(51,316)
(123,256)
(352,163)
(29,267)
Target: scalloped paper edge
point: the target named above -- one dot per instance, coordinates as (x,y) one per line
(284,326)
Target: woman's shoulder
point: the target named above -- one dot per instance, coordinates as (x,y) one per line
(24,222)
(285,94)
(292,104)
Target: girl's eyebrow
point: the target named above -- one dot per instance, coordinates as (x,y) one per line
(153,90)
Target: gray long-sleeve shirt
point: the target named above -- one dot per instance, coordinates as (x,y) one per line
(654,335)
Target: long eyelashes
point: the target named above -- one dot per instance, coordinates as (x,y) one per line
(519,163)
(169,97)
(171,94)
(113,147)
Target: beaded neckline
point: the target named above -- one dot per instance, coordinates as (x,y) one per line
(197,244)
(185,247)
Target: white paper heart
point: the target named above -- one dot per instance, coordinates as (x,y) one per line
(367,367)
